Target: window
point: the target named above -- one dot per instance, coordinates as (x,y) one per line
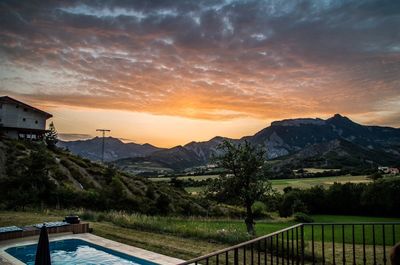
(36,122)
(25,109)
(1,105)
(23,119)
(17,106)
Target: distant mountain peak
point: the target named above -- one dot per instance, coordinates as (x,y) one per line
(298,122)
(337,118)
(217,138)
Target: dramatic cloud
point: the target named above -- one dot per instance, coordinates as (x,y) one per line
(213,60)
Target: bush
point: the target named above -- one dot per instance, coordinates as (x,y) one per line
(299,206)
(286,205)
(303,218)
(375,176)
(20,146)
(60,175)
(88,215)
(79,161)
(258,209)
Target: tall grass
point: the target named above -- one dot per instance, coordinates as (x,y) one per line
(227,231)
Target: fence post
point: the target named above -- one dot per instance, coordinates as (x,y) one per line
(236,257)
(302,244)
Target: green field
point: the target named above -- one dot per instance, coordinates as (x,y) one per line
(305,183)
(300,183)
(318,170)
(197,178)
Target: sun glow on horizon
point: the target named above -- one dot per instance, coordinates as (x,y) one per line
(168,73)
(158,130)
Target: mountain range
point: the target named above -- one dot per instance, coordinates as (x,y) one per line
(114,148)
(336,141)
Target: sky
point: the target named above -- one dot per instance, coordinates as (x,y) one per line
(168,72)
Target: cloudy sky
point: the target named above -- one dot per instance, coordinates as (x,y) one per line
(168,72)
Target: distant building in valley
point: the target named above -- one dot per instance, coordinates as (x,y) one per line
(19,120)
(389,170)
(384,169)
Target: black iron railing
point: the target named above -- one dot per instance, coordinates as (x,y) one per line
(315,243)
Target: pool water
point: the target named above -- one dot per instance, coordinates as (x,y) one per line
(76,251)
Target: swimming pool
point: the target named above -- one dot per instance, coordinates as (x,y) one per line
(76,251)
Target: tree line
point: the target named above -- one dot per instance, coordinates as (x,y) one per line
(378,198)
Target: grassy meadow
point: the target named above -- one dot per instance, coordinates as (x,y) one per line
(305,183)
(197,178)
(280,184)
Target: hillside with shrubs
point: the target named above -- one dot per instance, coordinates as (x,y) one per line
(35,176)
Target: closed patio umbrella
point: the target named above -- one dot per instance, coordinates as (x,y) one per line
(43,248)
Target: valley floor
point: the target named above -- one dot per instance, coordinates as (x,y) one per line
(280,184)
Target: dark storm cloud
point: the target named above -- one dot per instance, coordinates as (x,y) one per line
(205,59)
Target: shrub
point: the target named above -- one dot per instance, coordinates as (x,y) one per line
(163,203)
(78,160)
(88,215)
(20,146)
(375,176)
(299,206)
(258,209)
(302,218)
(286,205)
(60,175)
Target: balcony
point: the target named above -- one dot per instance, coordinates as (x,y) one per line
(315,243)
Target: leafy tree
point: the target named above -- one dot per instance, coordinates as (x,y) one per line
(286,205)
(39,163)
(175,182)
(114,194)
(163,203)
(51,137)
(110,173)
(245,182)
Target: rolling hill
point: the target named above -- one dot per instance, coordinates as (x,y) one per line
(72,181)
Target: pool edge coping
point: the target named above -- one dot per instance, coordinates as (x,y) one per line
(97,240)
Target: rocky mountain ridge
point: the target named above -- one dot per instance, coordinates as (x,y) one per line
(294,138)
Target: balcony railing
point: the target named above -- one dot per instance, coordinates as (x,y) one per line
(314,243)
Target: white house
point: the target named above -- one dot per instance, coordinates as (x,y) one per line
(19,120)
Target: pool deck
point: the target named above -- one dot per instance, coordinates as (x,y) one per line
(7,259)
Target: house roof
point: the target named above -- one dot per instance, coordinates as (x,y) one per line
(8,99)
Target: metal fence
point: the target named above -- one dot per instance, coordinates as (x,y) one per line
(314,243)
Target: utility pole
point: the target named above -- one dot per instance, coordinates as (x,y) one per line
(102,147)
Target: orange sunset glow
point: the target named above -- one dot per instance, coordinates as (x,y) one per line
(170,72)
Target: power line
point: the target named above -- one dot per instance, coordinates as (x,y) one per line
(102,147)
